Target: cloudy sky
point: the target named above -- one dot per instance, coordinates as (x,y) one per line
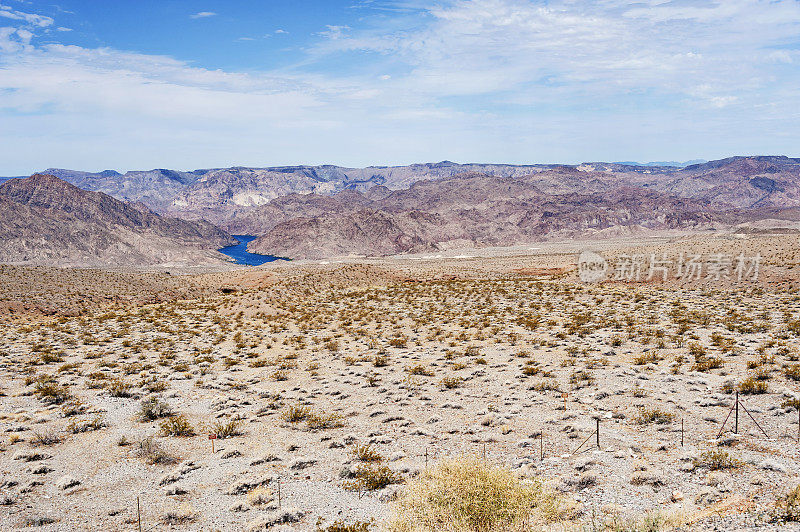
(195,84)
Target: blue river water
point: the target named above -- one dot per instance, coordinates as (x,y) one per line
(240,255)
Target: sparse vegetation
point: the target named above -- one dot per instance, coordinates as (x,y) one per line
(716,460)
(469,494)
(654,415)
(176,425)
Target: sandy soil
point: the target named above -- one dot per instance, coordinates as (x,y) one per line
(311,364)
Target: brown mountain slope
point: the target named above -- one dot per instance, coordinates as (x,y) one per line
(479,210)
(226,196)
(46,220)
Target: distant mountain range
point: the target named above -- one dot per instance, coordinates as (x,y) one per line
(665,163)
(45,220)
(322,211)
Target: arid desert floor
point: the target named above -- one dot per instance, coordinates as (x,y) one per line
(330,385)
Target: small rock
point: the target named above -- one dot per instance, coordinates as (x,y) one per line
(772,465)
(233,453)
(265,459)
(289,515)
(29,456)
(66,482)
(707,497)
(395,456)
(302,463)
(241,487)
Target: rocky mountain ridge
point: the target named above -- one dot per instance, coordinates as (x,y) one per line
(321,211)
(45,220)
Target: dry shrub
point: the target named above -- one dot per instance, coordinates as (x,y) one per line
(370,477)
(46,437)
(792,372)
(752,386)
(652,521)
(716,460)
(177,425)
(227,429)
(420,369)
(259,496)
(653,415)
(296,414)
(451,382)
(787,508)
(366,453)
(181,515)
(80,426)
(322,421)
(470,494)
(152,409)
(342,526)
(51,392)
(153,453)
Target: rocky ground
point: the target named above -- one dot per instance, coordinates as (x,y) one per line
(329,385)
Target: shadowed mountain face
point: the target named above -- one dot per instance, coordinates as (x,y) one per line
(49,221)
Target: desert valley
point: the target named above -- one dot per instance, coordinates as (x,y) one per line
(431,357)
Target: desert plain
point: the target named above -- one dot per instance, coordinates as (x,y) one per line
(309,395)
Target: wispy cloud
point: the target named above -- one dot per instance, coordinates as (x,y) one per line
(40,21)
(203,14)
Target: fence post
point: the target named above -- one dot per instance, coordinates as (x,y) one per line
(138,513)
(736,418)
(597,432)
(541,445)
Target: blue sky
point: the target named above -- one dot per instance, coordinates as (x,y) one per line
(185,84)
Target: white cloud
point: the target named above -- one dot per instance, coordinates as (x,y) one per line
(39,21)
(502,80)
(203,14)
